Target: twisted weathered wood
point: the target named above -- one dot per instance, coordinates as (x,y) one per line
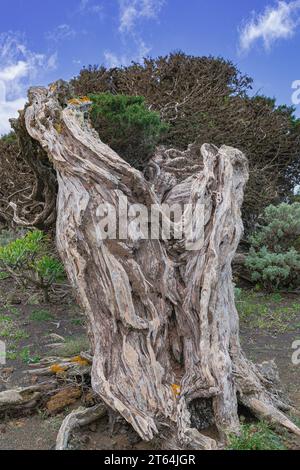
(39,208)
(162,320)
(77,418)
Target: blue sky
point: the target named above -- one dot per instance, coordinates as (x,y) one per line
(41,41)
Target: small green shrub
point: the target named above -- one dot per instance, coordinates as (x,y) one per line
(127,126)
(7,236)
(255,437)
(11,355)
(281,229)
(274,255)
(274,270)
(26,356)
(27,259)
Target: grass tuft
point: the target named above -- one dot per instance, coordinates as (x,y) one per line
(72,346)
(255,437)
(40,315)
(26,356)
(267,311)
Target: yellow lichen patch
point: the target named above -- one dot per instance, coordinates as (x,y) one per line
(79,101)
(57,369)
(58,127)
(63,398)
(74,101)
(80,360)
(85,99)
(176,390)
(53,88)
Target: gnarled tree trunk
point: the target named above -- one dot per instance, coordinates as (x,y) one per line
(162,320)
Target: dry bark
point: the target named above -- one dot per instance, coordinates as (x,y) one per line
(77,418)
(162,320)
(36,209)
(24,399)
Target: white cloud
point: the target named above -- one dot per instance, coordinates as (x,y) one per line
(85,6)
(113,60)
(52,62)
(278,22)
(19,66)
(133,10)
(143,50)
(8,109)
(60,33)
(130,13)
(12,72)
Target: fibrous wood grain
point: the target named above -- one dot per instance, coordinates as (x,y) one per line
(162,319)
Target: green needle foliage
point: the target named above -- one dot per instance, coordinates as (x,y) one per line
(127,126)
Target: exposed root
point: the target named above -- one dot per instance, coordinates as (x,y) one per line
(24,398)
(56,373)
(66,367)
(185,437)
(80,417)
(197,440)
(269,413)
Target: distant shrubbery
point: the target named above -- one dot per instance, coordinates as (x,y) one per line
(127,126)
(274,256)
(207,99)
(202,99)
(29,262)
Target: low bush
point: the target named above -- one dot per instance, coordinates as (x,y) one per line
(274,255)
(29,261)
(274,270)
(280,230)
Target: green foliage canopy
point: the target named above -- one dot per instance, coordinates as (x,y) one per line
(207,99)
(127,126)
